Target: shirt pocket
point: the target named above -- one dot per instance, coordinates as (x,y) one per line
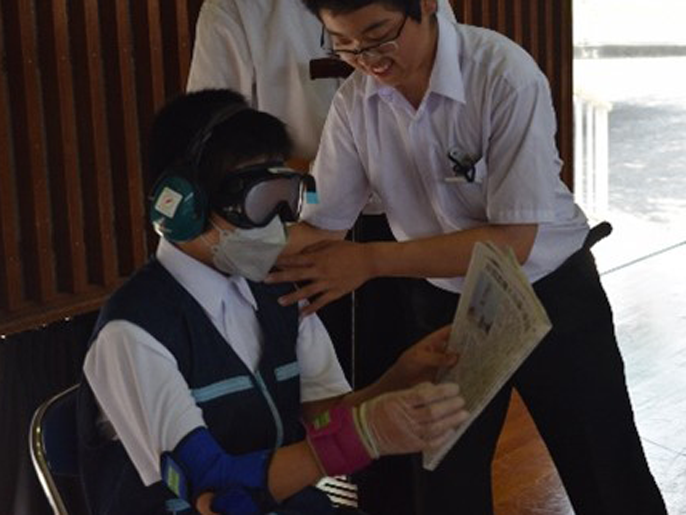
(464,202)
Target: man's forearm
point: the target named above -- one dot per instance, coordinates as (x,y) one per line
(445,255)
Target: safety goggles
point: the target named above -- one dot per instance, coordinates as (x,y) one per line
(251,197)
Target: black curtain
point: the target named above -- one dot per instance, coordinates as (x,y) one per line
(34,365)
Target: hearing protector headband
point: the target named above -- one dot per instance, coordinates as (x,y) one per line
(178,205)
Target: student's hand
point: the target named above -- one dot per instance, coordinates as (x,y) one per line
(413,420)
(227,502)
(424,359)
(203,504)
(327,270)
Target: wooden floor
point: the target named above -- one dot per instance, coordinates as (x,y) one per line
(648,297)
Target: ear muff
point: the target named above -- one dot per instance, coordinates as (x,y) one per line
(178,209)
(178,204)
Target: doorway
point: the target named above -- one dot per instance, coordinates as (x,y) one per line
(630,123)
(630,169)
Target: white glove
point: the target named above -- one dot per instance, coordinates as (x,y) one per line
(411,420)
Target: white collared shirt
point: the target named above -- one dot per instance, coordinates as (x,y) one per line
(262,49)
(146,402)
(486,99)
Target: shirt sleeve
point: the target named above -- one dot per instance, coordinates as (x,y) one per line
(523,161)
(343,187)
(321,376)
(221,54)
(141,393)
(446,9)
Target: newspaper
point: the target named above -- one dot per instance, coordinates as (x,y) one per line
(498,322)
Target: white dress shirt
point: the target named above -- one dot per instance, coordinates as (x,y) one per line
(144,399)
(262,49)
(486,99)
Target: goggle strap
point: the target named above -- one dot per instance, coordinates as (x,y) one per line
(311,196)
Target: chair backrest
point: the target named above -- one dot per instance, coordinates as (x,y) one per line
(53,444)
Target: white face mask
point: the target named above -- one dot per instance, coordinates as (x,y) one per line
(250,253)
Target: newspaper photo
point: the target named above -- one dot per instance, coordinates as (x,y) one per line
(498,322)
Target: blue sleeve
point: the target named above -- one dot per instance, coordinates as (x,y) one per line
(199,464)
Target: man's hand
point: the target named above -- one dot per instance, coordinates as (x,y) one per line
(326,271)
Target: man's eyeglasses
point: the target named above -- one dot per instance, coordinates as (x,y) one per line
(371,52)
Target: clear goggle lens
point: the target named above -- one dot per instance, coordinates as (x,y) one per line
(254,196)
(281,196)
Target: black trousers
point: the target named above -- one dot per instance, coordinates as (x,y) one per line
(573,385)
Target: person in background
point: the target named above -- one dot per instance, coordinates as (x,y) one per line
(454,128)
(263,49)
(200,392)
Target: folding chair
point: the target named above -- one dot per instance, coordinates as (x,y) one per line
(54,452)
(341,491)
(54,447)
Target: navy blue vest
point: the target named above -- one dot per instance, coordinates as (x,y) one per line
(244,411)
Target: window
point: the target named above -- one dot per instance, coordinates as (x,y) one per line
(630,123)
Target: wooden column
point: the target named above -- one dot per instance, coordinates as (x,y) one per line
(544,29)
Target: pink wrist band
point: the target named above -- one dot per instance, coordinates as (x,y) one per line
(336,442)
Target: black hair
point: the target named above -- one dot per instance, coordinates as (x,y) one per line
(412,8)
(247,135)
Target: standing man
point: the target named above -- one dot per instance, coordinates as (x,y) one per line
(454,128)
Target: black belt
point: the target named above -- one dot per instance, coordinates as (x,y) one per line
(597,233)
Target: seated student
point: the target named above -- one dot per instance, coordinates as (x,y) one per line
(200,391)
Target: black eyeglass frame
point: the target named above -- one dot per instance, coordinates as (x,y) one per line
(354,55)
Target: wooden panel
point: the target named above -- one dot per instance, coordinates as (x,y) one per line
(79,85)
(10,271)
(94,138)
(525,480)
(61,137)
(544,28)
(124,133)
(29,147)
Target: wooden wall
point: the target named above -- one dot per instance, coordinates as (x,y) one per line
(79,83)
